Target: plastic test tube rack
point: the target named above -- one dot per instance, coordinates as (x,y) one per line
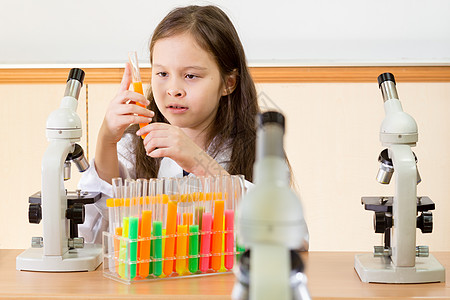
(172,227)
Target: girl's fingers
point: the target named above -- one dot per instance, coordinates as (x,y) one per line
(151,132)
(126,78)
(133,109)
(155,143)
(134,119)
(160,152)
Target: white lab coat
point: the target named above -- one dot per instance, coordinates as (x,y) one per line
(96,215)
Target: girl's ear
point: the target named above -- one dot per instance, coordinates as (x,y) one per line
(230,83)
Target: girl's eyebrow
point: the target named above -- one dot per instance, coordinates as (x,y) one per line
(184,68)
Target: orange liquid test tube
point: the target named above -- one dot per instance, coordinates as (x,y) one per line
(171,226)
(145,230)
(137,82)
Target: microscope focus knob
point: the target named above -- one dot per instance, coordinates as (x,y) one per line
(35,213)
(76,213)
(381,222)
(425,222)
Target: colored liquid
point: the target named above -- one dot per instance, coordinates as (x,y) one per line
(181,249)
(137,87)
(193,248)
(133,235)
(229,238)
(205,243)
(123,249)
(216,247)
(144,249)
(170,240)
(118,232)
(157,248)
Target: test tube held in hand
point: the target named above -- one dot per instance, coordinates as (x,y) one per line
(136,78)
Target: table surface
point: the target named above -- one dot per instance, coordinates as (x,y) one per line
(330,276)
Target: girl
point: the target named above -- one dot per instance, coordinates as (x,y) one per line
(202,105)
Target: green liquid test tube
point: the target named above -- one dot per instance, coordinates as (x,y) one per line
(193,248)
(157,248)
(133,235)
(152,258)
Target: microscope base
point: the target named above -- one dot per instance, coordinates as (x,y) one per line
(84,259)
(381,270)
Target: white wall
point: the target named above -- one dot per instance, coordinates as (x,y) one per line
(283,32)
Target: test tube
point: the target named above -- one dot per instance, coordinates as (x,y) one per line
(145,229)
(236,190)
(185,218)
(136,78)
(124,253)
(115,226)
(217,229)
(206,223)
(133,227)
(171,190)
(193,243)
(158,225)
(239,249)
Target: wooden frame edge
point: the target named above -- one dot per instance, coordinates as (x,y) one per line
(260,74)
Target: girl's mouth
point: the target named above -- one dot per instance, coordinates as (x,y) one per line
(177,109)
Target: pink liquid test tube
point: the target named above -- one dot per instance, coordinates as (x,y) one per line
(206,226)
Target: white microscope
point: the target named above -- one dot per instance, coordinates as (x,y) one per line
(399,260)
(60,249)
(270,224)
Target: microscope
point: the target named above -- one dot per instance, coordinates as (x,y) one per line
(60,249)
(270,224)
(399,260)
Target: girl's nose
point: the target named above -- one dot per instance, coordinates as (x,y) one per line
(176,92)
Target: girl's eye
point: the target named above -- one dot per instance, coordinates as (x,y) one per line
(162,74)
(191,76)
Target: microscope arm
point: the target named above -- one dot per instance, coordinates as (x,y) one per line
(404,206)
(270,268)
(54,202)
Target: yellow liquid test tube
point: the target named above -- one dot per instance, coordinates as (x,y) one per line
(137,81)
(181,249)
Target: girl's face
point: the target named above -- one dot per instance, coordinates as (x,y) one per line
(186,82)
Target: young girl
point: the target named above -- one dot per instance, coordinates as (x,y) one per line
(202,108)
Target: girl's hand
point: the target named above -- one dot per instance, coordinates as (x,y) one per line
(121,112)
(165,140)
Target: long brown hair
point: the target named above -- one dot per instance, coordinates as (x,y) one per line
(235,119)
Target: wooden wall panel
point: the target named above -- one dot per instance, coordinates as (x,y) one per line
(260,74)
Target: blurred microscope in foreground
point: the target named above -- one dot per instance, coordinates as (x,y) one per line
(399,260)
(270,224)
(60,249)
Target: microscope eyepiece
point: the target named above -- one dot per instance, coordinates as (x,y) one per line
(271,117)
(76,74)
(74,83)
(385,77)
(386,83)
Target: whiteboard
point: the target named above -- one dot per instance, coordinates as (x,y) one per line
(99,33)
